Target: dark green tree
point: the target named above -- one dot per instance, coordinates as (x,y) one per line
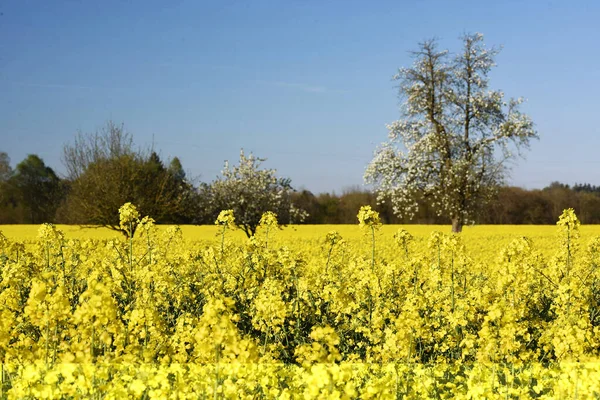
(107,171)
(176,169)
(37,188)
(7,201)
(5,169)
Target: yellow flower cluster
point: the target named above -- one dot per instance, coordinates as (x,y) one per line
(268,219)
(128,218)
(368,217)
(428,316)
(226,218)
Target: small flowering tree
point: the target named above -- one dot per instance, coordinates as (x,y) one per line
(454,139)
(249,192)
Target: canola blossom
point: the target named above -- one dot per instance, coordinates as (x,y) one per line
(380,314)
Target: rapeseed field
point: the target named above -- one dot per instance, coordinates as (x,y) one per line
(332,312)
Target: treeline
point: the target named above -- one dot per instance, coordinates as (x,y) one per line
(105,170)
(33,193)
(511,205)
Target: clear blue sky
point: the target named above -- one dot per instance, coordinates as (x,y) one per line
(304,83)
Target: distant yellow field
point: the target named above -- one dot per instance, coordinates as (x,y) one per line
(479,239)
(26,232)
(209,232)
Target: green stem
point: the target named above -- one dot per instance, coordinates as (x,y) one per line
(373,248)
(55,343)
(452,279)
(267,239)
(223,240)
(47,337)
(217,357)
(266,339)
(149,248)
(131,246)
(328,257)
(93,340)
(62,256)
(297,332)
(415,277)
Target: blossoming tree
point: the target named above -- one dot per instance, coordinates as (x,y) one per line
(455,136)
(250,191)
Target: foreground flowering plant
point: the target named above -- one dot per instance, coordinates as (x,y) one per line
(156,316)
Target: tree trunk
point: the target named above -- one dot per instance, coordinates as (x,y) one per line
(457,224)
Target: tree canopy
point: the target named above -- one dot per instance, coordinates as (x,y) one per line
(455,136)
(250,192)
(5,168)
(37,188)
(107,172)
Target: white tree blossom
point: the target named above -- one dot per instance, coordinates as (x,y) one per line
(455,136)
(250,192)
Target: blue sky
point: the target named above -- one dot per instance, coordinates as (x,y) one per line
(304,83)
